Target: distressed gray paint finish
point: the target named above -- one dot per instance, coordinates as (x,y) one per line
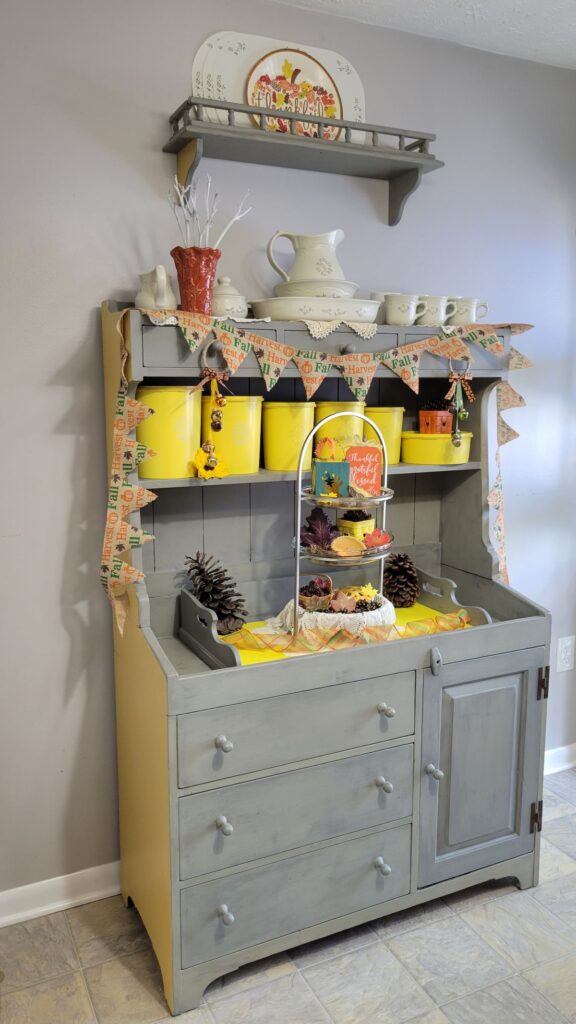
(293,809)
(285,729)
(481,724)
(313,887)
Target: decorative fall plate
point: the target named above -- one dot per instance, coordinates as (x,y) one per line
(293,80)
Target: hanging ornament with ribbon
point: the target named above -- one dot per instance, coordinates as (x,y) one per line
(460,386)
(208,464)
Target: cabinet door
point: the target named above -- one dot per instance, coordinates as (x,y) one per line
(481,730)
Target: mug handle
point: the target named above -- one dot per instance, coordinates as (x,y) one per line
(451,308)
(272,261)
(484,306)
(421,308)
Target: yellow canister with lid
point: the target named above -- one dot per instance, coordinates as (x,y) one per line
(285,427)
(348,429)
(388,419)
(238,443)
(173,431)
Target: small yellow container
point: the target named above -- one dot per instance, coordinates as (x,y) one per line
(389,421)
(285,427)
(348,429)
(238,443)
(173,431)
(434,449)
(358,530)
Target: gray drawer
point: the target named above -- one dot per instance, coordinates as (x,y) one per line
(166,346)
(292,809)
(260,734)
(292,894)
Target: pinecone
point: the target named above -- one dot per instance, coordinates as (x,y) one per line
(215,589)
(401,585)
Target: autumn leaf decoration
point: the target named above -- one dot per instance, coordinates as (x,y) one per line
(318,531)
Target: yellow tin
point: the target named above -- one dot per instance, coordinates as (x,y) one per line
(238,443)
(434,449)
(285,427)
(173,431)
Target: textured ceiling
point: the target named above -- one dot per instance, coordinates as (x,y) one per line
(540,30)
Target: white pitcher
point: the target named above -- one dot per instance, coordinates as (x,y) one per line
(155,290)
(315,256)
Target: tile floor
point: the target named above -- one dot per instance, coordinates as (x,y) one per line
(491,955)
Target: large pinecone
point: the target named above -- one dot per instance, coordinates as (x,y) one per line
(215,589)
(401,585)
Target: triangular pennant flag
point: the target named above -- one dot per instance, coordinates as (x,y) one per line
(120,536)
(272,357)
(129,412)
(314,367)
(358,371)
(481,334)
(507,397)
(235,347)
(127,498)
(118,573)
(518,361)
(128,453)
(514,328)
(505,432)
(448,348)
(405,362)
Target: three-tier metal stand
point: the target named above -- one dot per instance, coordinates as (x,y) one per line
(305,496)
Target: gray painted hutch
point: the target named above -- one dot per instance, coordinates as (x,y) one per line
(254,810)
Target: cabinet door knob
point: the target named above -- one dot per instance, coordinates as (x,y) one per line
(385,709)
(384,784)
(226,827)
(434,772)
(225,915)
(347,350)
(382,866)
(223,744)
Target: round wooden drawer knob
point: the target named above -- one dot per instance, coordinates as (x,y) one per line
(225,916)
(385,709)
(384,784)
(434,772)
(226,827)
(223,744)
(382,866)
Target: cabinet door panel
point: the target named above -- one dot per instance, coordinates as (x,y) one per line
(481,729)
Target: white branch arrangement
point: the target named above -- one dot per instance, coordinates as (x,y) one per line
(185,205)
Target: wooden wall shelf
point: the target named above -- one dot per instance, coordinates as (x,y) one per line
(396,155)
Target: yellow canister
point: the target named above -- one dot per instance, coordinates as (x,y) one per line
(173,431)
(388,419)
(238,443)
(348,429)
(434,449)
(285,427)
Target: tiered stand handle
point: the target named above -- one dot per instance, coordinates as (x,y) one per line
(298,497)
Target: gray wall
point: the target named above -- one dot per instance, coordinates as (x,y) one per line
(86,90)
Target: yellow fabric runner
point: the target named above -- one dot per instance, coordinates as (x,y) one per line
(419,620)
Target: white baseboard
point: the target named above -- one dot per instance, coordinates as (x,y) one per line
(559,759)
(55,894)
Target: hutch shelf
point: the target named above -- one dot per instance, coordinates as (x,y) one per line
(267,805)
(395,155)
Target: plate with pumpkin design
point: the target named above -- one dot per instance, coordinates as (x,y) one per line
(293,80)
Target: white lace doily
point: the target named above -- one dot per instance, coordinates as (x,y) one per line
(322,328)
(353,622)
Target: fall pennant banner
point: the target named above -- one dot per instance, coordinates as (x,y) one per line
(313,367)
(518,361)
(358,371)
(123,498)
(496,501)
(272,357)
(405,362)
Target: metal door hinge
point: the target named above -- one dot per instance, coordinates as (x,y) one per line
(543,683)
(536,814)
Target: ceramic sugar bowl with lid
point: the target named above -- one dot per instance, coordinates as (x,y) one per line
(226,299)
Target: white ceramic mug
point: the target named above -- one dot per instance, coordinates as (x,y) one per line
(401,309)
(438,308)
(467,310)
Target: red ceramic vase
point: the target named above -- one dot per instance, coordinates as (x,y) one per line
(196,269)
